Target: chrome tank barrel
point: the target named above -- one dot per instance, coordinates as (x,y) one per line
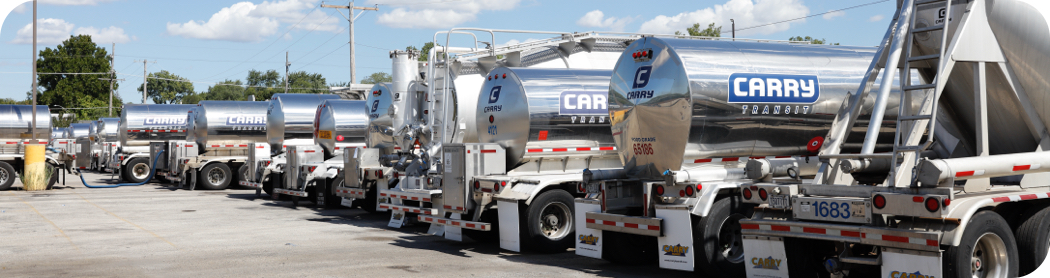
(224,123)
(141,124)
(676,100)
(291,116)
(341,122)
(529,110)
(107,129)
(80,130)
(17,120)
(383,116)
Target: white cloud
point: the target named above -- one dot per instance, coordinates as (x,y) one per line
(875,18)
(48,31)
(834,14)
(292,11)
(232,23)
(439,14)
(597,19)
(110,34)
(23,8)
(746,13)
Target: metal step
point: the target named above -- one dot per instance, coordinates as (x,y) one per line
(907,149)
(928,28)
(925,57)
(916,117)
(919,87)
(924,2)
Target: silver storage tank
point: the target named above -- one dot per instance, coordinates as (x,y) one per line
(107,129)
(675,100)
(227,123)
(291,116)
(79,130)
(340,122)
(383,116)
(17,123)
(141,124)
(530,110)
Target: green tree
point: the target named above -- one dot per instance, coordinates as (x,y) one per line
(695,31)
(78,54)
(424,52)
(301,82)
(264,85)
(167,88)
(226,90)
(810,40)
(377,78)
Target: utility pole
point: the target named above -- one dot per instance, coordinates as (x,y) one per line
(734,27)
(351,8)
(33,126)
(113,77)
(145,78)
(286,66)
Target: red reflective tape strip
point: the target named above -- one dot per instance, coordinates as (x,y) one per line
(757,157)
(63,142)
(488,151)
(1029,197)
(542,136)
(471,225)
(448,206)
(932,242)
(749,226)
(610,223)
(850,233)
(782,156)
(705,160)
(814,230)
(426,199)
(964,174)
(895,238)
(214,146)
(308,151)
(590,220)
(730,159)
(1022,167)
(607,148)
(12,143)
(534,150)
(654,228)
(455,223)
(259,147)
(1001,199)
(415,198)
(559,149)
(583,149)
(242,146)
(630,225)
(780,228)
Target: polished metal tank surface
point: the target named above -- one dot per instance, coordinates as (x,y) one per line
(676,100)
(80,130)
(526,110)
(107,129)
(291,116)
(17,122)
(141,124)
(93,130)
(220,123)
(382,108)
(341,122)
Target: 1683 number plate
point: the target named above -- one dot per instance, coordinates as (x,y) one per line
(851,210)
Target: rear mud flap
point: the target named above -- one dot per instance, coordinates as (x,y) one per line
(588,241)
(509,220)
(909,263)
(676,246)
(453,232)
(397,219)
(764,257)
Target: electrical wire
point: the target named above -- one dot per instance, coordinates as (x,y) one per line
(271,43)
(812,15)
(322,57)
(218,83)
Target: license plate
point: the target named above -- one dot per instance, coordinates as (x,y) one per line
(324,134)
(851,210)
(347,202)
(780,202)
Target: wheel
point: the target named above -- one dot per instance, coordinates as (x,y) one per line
(371,197)
(330,199)
(549,226)
(54,176)
(1033,239)
(7,175)
(242,173)
(215,176)
(268,185)
(720,248)
(138,170)
(628,249)
(489,216)
(295,201)
(987,249)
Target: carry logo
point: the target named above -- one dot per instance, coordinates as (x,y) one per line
(773,88)
(901,274)
(375,105)
(589,239)
(164,121)
(676,250)
(494,94)
(584,103)
(641,77)
(246,120)
(766,263)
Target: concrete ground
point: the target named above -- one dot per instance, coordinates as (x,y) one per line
(157,230)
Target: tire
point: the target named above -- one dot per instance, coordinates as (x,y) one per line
(215,176)
(628,249)
(1033,237)
(332,201)
(138,170)
(54,176)
(7,175)
(717,238)
(371,197)
(490,216)
(268,185)
(549,223)
(242,173)
(987,243)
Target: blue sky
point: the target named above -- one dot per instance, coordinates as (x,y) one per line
(210,41)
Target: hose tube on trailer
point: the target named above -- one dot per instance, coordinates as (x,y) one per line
(152,170)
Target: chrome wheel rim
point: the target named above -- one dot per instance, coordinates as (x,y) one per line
(730,240)
(4,176)
(555,221)
(989,257)
(216,176)
(140,171)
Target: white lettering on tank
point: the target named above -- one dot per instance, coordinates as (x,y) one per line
(568,101)
(599,102)
(736,87)
(757,85)
(790,88)
(583,101)
(808,90)
(773,84)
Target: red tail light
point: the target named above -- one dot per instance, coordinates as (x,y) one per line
(947,202)
(660,190)
(430,181)
(763,194)
(932,204)
(580,187)
(878,201)
(477,185)
(747,194)
(503,183)
(689,191)
(312,168)
(397,174)
(681,193)
(504,76)
(495,187)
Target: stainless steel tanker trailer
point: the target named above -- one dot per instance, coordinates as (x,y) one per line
(339,129)
(142,124)
(685,115)
(109,144)
(289,122)
(219,138)
(15,133)
(963,191)
(85,136)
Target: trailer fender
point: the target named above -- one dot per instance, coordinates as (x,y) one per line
(964,210)
(528,191)
(709,195)
(331,173)
(132,156)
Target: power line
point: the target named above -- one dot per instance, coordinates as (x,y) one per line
(219,83)
(326,55)
(271,43)
(337,33)
(812,15)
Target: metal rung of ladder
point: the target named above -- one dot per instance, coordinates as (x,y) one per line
(908,149)
(925,57)
(919,87)
(928,28)
(916,117)
(927,2)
